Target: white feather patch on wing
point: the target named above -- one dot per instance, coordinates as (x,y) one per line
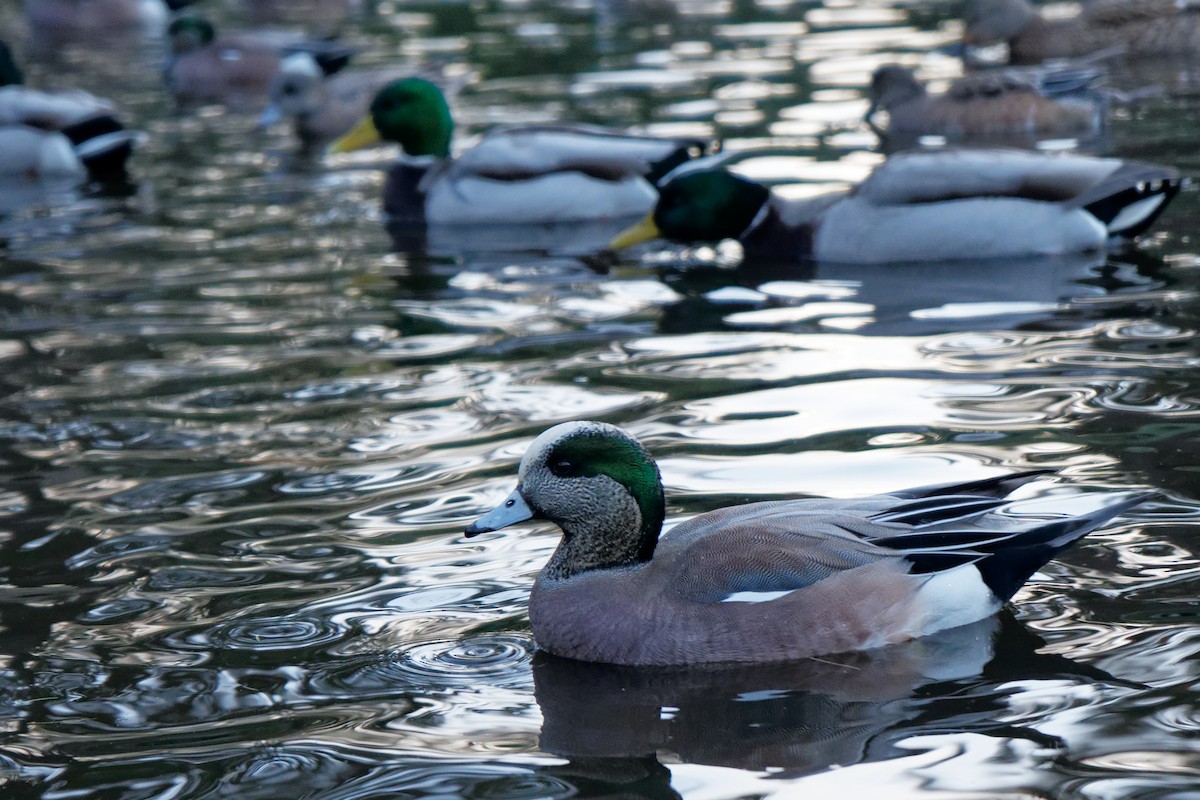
(754,597)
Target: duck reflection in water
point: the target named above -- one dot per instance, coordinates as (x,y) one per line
(905,299)
(797,717)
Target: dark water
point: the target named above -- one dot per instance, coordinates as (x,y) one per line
(240,437)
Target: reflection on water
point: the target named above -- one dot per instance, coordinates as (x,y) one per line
(798,718)
(244,426)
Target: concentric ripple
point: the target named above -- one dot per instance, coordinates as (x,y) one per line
(494,659)
(268,634)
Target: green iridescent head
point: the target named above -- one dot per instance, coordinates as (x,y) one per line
(705,205)
(190,32)
(598,484)
(414,113)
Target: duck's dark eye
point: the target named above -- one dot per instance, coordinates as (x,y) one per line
(290,89)
(564,467)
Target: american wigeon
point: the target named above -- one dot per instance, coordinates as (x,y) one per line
(322,107)
(236,69)
(1137,28)
(514,175)
(58,134)
(991,104)
(763,581)
(921,206)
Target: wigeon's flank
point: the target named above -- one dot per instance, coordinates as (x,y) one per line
(1132,28)
(992,104)
(763,581)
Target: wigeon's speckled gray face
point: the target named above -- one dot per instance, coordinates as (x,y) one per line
(599,485)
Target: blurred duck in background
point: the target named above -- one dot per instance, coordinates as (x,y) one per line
(65,20)
(1134,28)
(998,104)
(46,135)
(236,70)
(513,175)
(324,17)
(921,206)
(322,107)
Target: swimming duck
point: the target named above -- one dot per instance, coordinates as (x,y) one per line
(513,175)
(1137,28)
(58,134)
(995,103)
(86,19)
(322,107)
(762,581)
(921,206)
(235,70)
(324,16)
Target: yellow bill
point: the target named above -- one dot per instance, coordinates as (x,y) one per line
(364,134)
(642,231)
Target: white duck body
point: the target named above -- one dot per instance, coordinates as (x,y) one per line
(32,144)
(847,229)
(546,174)
(34,154)
(975,204)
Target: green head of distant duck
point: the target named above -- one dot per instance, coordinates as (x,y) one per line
(708,206)
(414,113)
(189,33)
(699,206)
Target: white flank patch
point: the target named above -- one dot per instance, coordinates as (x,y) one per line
(754,597)
(955,597)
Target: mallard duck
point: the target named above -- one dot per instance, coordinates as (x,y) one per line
(1135,28)
(762,581)
(322,107)
(235,70)
(922,206)
(59,134)
(991,104)
(514,175)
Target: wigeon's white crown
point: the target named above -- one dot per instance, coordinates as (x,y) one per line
(551,436)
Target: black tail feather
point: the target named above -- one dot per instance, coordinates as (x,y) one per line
(103,145)
(1010,563)
(1131,199)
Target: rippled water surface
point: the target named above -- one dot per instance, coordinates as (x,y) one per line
(241,433)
